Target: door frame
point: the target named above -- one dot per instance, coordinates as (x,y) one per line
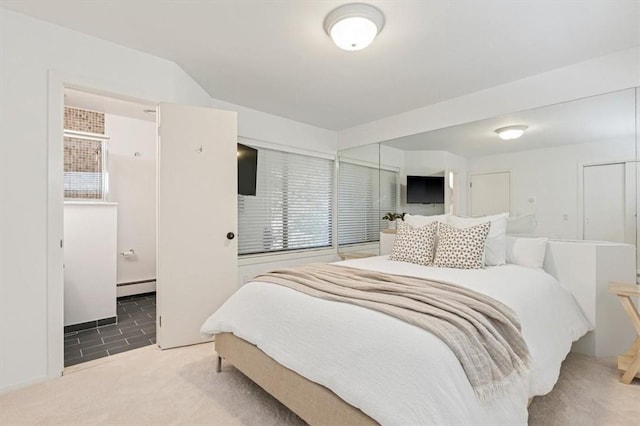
(630,196)
(488,172)
(57,83)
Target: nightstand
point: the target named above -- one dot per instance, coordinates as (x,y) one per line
(355,255)
(387,238)
(629,362)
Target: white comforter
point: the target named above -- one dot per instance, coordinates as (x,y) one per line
(395,372)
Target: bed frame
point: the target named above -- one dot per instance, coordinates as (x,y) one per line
(314,403)
(317,405)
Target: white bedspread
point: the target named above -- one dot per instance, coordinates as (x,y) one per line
(394,372)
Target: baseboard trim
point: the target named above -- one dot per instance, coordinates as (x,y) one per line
(150,280)
(89,324)
(133,296)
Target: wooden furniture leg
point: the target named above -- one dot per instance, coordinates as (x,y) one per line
(631,360)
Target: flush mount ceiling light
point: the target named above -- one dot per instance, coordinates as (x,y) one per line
(354,26)
(511,132)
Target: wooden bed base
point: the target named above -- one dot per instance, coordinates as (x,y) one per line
(314,403)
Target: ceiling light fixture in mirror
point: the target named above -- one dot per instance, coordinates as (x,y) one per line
(511,132)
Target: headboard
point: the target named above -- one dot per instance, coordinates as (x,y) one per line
(585,268)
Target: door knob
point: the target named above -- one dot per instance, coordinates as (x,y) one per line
(230,235)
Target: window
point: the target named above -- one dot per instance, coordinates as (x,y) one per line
(85,154)
(292,208)
(364,195)
(84,167)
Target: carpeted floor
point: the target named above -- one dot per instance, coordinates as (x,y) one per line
(180,386)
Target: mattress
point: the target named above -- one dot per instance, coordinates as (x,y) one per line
(395,372)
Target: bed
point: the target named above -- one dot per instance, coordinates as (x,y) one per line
(336,363)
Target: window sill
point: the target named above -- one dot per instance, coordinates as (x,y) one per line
(253,259)
(363,247)
(89,203)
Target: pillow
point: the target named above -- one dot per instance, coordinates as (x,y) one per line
(496,244)
(417,221)
(524,224)
(461,248)
(414,244)
(527,252)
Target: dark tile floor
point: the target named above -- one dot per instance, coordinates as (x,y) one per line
(136,327)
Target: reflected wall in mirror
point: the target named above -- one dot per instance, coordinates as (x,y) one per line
(571,175)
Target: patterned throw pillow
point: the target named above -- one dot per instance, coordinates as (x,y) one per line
(414,245)
(461,248)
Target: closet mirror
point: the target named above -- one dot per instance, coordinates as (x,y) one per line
(359,203)
(572,174)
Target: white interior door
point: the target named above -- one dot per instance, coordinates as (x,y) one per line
(604,202)
(197,203)
(490,193)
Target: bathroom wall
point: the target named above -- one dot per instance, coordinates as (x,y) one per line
(132,184)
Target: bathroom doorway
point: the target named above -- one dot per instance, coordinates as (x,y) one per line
(110,160)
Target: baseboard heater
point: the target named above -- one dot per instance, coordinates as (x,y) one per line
(150,280)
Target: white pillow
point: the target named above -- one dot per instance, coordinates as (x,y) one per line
(418,221)
(524,224)
(527,252)
(496,245)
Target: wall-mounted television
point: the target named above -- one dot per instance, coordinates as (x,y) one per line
(425,189)
(247,168)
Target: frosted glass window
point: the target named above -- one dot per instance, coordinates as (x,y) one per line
(83,168)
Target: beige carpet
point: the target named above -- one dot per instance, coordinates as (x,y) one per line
(180,386)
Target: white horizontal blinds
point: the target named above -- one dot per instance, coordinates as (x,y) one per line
(389,194)
(364,195)
(83,168)
(358,213)
(292,208)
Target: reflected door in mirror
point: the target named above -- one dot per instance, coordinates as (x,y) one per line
(490,193)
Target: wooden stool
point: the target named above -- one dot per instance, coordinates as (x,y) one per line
(631,360)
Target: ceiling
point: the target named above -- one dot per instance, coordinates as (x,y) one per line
(91,102)
(274,56)
(600,118)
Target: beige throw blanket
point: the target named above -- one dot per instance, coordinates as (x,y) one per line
(483,333)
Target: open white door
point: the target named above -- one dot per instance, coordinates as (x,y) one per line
(490,193)
(197,203)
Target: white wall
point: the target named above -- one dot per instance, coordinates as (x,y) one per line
(32,52)
(132,184)
(89,261)
(551,176)
(609,73)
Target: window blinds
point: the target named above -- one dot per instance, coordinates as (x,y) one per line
(292,208)
(364,195)
(389,194)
